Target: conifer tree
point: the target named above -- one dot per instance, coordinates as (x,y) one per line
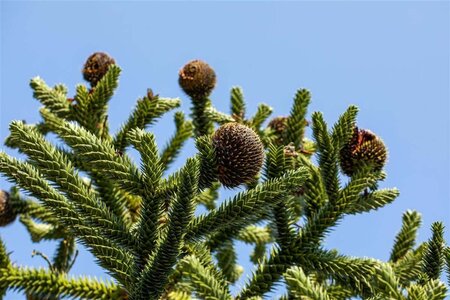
(139,222)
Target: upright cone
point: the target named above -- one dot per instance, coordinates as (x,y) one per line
(197,79)
(239,154)
(364,148)
(96,67)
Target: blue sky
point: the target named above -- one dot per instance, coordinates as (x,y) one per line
(389,58)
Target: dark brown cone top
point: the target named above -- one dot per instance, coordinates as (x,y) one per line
(7,215)
(239,154)
(96,67)
(278,125)
(197,79)
(364,148)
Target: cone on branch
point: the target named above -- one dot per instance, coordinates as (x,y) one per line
(239,154)
(96,67)
(364,148)
(7,214)
(197,79)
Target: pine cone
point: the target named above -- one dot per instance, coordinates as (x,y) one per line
(197,79)
(7,215)
(364,148)
(239,154)
(96,67)
(278,125)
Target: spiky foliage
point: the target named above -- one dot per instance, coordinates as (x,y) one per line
(140,223)
(433,260)
(405,239)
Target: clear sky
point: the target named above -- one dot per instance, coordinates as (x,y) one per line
(389,58)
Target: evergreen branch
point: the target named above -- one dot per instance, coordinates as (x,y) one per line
(184,130)
(354,273)
(110,256)
(343,129)
(203,280)
(168,187)
(447,262)
(208,196)
(258,253)
(295,129)
(276,165)
(100,155)
(178,295)
(237,104)
(416,292)
(51,121)
(91,110)
(81,98)
(268,272)
(151,164)
(435,290)
(208,165)
(349,272)
(4,263)
(146,112)
(433,259)
(64,255)
(104,90)
(79,113)
(31,208)
(387,282)
(408,268)
(255,234)
(219,117)
(260,236)
(313,190)
(41,231)
(114,197)
(94,114)
(337,291)
(283,221)
(44,283)
(4,257)
(59,169)
(327,156)
(155,274)
(262,113)
(203,123)
(301,286)
(55,99)
(245,207)
(203,254)
(374,200)
(151,210)
(328,215)
(118,261)
(227,261)
(122,203)
(29,178)
(405,239)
